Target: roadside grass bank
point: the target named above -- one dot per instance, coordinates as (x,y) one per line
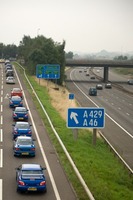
(103,173)
(128,71)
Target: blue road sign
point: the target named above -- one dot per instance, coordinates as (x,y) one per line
(71,96)
(86,117)
(48,71)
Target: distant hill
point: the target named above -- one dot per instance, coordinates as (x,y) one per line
(103,54)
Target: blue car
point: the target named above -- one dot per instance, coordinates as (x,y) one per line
(21,128)
(30,177)
(24,146)
(15,101)
(20,113)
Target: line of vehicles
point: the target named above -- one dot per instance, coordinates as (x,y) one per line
(93,90)
(29,177)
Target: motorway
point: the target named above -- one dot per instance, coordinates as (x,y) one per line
(118,106)
(58,186)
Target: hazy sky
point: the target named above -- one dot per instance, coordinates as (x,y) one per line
(86,25)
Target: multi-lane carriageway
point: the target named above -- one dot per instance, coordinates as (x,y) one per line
(58,186)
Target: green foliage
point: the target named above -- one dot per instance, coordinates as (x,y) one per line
(69,55)
(9,51)
(121,58)
(41,50)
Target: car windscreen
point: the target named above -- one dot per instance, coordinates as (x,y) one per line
(22,126)
(20,109)
(24,141)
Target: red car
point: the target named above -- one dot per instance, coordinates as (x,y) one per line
(16,92)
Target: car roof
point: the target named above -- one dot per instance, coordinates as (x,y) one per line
(16,89)
(23,137)
(31,167)
(22,123)
(10,77)
(20,108)
(16,97)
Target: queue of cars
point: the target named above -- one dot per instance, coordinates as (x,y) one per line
(99,86)
(29,177)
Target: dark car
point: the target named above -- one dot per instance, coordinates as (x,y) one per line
(20,113)
(30,177)
(9,72)
(93,91)
(21,129)
(24,146)
(108,85)
(92,77)
(130,82)
(99,86)
(15,101)
(17,92)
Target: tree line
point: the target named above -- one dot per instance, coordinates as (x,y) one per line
(38,50)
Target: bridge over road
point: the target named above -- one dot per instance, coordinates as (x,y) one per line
(106,64)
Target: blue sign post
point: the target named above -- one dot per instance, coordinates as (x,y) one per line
(48,71)
(71,96)
(86,118)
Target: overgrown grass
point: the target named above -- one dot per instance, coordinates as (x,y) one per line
(103,173)
(124,71)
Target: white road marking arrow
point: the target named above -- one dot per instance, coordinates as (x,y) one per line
(7,96)
(74,116)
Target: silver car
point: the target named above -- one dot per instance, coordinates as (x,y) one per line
(10,80)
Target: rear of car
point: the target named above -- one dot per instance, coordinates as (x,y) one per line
(99,86)
(20,114)
(21,129)
(108,85)
(16,92)
(30,177)
(24,146)
(15,101)
(130,82)
(93,91)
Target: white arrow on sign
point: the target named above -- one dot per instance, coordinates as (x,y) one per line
(74,116)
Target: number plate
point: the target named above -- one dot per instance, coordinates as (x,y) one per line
(25,153)
(21,118)
(32,189)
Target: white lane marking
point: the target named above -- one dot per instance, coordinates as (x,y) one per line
(1,108)
(1,92)
(1,135)
(41,147)
(2,86)
(1,119)
(128,114)
(1,189)
(1,158)
(1,99)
